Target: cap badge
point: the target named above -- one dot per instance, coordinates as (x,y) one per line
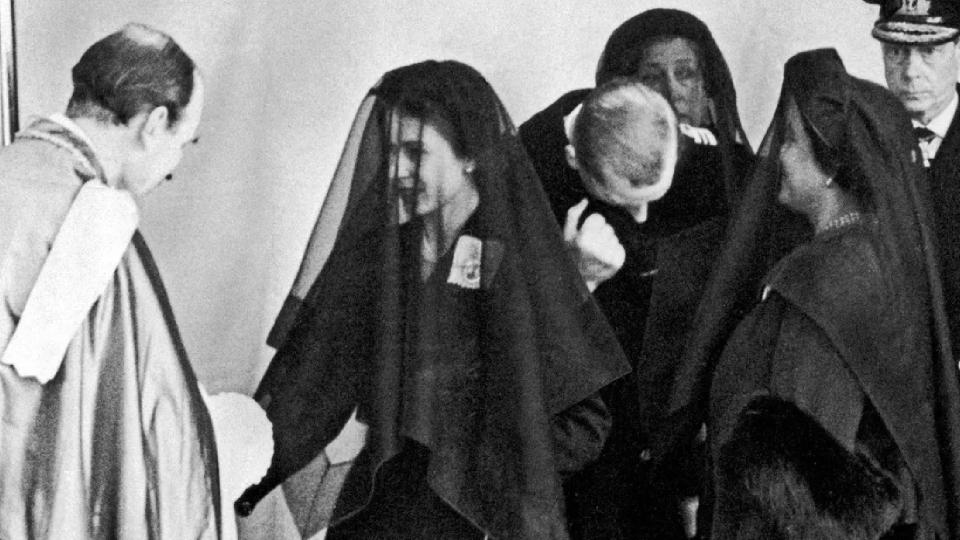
(914,7)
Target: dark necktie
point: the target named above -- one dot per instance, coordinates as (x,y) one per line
(925,137)
(923,134)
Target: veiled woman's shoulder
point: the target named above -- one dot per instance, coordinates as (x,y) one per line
(839,267)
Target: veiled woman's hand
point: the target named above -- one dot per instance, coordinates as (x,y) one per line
(594,245)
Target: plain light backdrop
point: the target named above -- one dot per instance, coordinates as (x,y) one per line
(284,79)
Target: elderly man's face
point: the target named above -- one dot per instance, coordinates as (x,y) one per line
(672,66)
(922,76)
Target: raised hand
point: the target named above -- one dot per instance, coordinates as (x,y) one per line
(594,245)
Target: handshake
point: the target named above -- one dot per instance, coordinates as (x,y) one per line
(594,246)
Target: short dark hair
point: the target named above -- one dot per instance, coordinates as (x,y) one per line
(131,71)
(623,128)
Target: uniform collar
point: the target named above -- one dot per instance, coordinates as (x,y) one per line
(941,122)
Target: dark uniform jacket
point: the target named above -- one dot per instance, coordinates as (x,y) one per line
(944,187)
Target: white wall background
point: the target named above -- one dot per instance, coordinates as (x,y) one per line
(284,78)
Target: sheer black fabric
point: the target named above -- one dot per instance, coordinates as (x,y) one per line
(912,382)
(651,300)
(625,47)
(544,137)
(463,334)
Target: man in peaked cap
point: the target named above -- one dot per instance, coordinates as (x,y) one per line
(921,58)
(917,22)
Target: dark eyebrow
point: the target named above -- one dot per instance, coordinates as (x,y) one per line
(412,144)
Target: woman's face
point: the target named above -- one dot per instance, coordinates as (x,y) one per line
(672,66)
(428,172)
(802,179)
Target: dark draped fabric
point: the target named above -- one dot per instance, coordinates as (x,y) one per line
(624,48)
(944,185)
(544,138)
(469,374)
(830,317)
(543,134)
(895,342)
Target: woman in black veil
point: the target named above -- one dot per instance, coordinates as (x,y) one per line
(709,175)
(440,304)
(826,300)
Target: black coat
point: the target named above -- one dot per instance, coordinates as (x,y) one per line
(650,304)
(944,186)
(912,384)
(826,339)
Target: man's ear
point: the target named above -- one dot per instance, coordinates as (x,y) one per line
(571,153)
(155,124)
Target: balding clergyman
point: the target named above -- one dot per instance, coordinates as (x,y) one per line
(105,433)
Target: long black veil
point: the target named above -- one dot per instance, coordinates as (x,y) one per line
(922,409)
(467,343)
(544,137)
(621,56)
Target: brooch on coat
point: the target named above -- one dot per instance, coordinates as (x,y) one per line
(471,267)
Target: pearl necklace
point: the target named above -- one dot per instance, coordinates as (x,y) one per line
(849,218)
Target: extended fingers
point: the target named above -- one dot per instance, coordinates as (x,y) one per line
(573,219)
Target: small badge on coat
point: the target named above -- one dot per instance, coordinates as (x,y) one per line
(465,270)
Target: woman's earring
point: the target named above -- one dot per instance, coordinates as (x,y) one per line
(827,182)
(468,168)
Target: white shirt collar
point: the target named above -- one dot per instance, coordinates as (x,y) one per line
(72,126)
(570,120)
(941,122)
